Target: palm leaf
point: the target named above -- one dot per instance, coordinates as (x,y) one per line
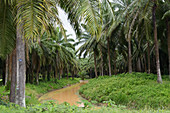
(36,14)
(7,30)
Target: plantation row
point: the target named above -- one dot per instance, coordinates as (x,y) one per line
(123,93)
(136,90)
(51,107)
(116,36)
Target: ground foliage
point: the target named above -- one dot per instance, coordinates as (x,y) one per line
(47,86)
(136,90)
(33,91)
(51,107)
(33,106)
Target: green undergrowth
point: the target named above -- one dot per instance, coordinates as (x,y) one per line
(3,95)
(33,91)
(135,91)
(51,107)
(47,86)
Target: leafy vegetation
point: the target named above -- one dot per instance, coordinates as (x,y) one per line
(47,86)
(50,107)
(114,34)
(34,91)
(136,90)
(103,90)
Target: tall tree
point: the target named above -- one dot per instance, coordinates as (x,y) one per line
(6,70)
(159,78)
(109,60)
(13,78)
(95,64)
(129,43)
(168,36)
(21,67)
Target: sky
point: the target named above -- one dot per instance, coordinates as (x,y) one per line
(63,17)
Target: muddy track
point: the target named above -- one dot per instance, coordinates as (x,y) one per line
(68,94)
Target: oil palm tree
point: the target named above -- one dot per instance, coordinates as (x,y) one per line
(89,46)
(30,15)
(166,10)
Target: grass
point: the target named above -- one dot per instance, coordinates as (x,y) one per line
(50,107)
(102,89)
(47,86)
(3,95)
(33,91)
(135,91)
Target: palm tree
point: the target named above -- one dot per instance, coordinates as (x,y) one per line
(89,46)
(159,79)
(99,17)
(13,78)
(168,34)
(30,15)
(166,11)
(21,72)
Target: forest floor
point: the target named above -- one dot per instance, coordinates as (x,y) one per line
(103,87)
(33,91)
(132,91)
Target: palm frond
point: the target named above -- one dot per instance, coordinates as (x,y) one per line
(7,30)
(36,13)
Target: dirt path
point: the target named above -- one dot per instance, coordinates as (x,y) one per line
(68,94)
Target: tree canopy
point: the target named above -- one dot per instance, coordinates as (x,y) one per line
(117,36)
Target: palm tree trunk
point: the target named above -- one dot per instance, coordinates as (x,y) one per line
(149,65)
(61,73)
(6,70)
(44,73)
(115,55)
(3,73)
(168,36)
(48,73)
(95,65)
(13,78)
(145,63)
(56,73)
(21,67)
(10,67)
(37,74)
(129,57)
(27,75)
(90,73)
(159,78)
(101,61)
(32,76)
(72,74)
(109,64)
(139,65)
(129,43)
(67,72)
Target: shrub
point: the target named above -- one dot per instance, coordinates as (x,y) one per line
(50,107)
(44,87)
(136,90)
